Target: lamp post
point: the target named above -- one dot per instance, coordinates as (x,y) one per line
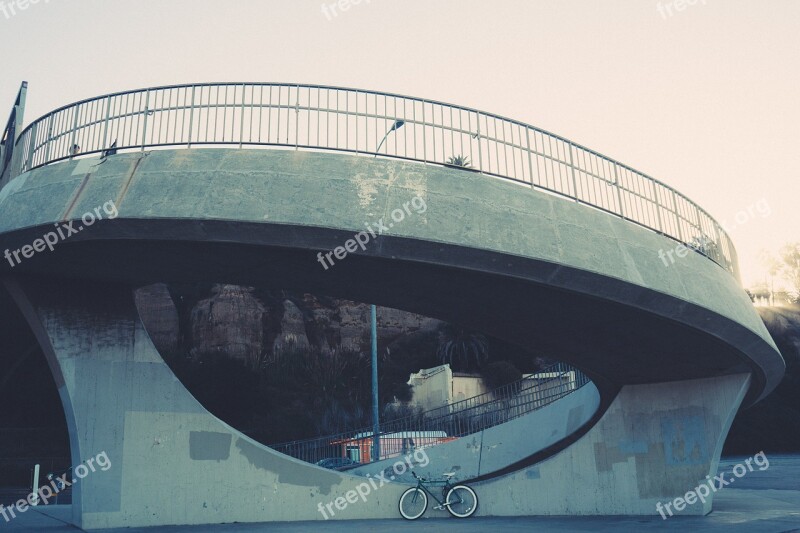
(376,439)
(396,126)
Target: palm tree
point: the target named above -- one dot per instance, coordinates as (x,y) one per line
(459,161)
(464,350)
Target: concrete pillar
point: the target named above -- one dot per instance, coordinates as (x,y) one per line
(172,462)
(655,443)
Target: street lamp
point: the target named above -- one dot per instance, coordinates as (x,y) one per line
(376,438)
(396,126)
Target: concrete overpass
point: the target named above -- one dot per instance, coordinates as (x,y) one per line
(543,242)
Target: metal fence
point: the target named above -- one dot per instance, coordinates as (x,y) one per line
(444,424)
(319,117)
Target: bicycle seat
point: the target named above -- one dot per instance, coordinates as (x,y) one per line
(448,475)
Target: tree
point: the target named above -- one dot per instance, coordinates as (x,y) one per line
(464,350)
(499,373)
(790,267)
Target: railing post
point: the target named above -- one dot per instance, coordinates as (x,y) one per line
(32,146)
(616,188)
(105,126)
(699,225)
(480,149)
(574,179)
(297,122)
(73,139)
(530,156)
(677,216)
(241,118)
(658,205)
(717,239)
(49,137)
(424,132)
(146,114)
(191,118)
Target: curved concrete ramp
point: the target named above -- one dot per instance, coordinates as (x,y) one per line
(503,447)
(520,264)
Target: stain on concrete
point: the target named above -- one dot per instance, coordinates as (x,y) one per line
(574,419)
(287,471)
(606,456)
(473,445)
(684,440)
(209,446)
(633,446)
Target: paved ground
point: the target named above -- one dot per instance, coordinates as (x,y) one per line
(760,501)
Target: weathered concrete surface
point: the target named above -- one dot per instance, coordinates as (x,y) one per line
(519,264)
(760,502)
(563,270)
(654,443)
(172,461)
(175,463)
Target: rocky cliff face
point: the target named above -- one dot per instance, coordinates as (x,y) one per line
(248,325)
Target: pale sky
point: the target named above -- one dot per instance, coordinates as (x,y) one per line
(704,99)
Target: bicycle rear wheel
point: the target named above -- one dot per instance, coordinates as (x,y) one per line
(413,503)
(462,500)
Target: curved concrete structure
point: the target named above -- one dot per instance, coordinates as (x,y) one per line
(580,276)
(493,450)
(571,265)
(673,350)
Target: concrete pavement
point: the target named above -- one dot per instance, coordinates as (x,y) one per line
(764,501)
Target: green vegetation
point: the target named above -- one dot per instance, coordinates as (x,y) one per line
(459,161)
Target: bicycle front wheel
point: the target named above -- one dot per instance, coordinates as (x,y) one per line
(413,503)
(462,501)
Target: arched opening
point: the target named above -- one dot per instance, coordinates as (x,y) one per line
(33,427)
(286,365)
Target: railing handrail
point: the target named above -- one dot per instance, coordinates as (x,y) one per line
(363,91)
(645,199)
(496,396)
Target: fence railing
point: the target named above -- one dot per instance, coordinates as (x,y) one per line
(443,424)
(316,117)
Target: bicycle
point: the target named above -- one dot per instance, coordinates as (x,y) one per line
(459,500)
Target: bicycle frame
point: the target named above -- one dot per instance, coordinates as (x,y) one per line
(445,484)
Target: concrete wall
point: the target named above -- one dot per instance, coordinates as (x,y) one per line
(432,387)
(439,386)
(656,442)
(172,462)
(464,387)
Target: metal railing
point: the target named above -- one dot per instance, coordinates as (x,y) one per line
(316,117)
(443,424)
